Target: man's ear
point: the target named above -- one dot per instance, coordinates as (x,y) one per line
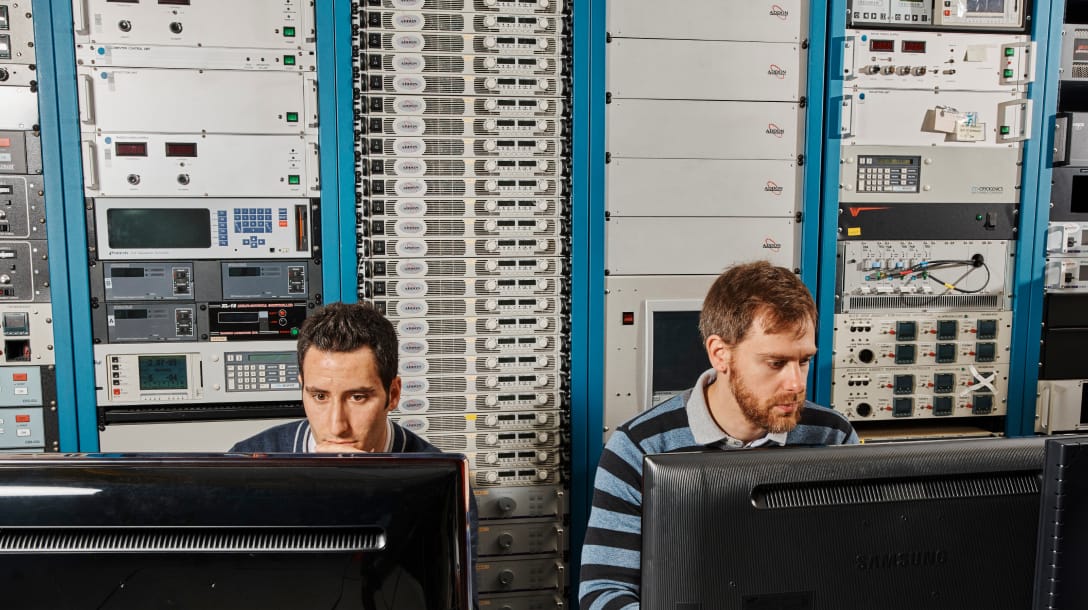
(719,352)
(394,395)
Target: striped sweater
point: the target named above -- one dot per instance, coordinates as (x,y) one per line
(611,555)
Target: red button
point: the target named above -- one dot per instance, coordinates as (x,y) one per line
(116,391)
(22,419)
(5,142)
(18,376)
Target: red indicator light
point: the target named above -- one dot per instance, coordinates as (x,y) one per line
(628,318)
(22,419)
(18,376)
(5,142)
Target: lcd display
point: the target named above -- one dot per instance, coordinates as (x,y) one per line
(678,353)
(163,373)
(272,357)
(158,228)
(986,6)
(238,317)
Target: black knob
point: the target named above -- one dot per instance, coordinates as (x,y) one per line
(175,27)
(506,578)
(505,540)
(125,25)
(507,504)
(864,409)
(866,355)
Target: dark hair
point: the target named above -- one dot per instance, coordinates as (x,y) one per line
(346,327)
(745,291)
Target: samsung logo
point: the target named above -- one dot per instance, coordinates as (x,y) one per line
(775,130)
(776,72)
(778,11)
(909,559)
(987,190)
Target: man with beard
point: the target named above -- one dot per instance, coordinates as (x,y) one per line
(758,325)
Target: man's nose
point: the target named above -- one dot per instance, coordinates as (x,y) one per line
(794,377)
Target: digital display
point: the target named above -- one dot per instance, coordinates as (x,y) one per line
(273,358)
(244,272)
(1084,273)
(1080,49)
(881,45)
(158,228)
(163,373)
(238,317)
(678,353)
(986,6)
(127,272)
(130,149)
(913,46)
(130,314)
(181,149)
(894,161)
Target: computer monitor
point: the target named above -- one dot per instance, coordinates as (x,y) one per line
(268,532)
(673,352)
(1063,527)
(940,525)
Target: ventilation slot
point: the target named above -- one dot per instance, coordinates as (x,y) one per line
(870,492)
(191,539)
(947,302)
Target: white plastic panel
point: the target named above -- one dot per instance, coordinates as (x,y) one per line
(224,166)
(947,175)
(704,130)
(780,21)
(702,187)
(624,362)
(706,70)
(925,118)
(697,246)
(216,101)
(213,437)
(238,23)
(20,108)
(220,58)
(925,60)
(1060,406)
(17,25)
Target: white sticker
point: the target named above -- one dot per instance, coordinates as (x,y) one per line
(410,207)
(409,126)
(408,62)
(409,146)
(407,42)
(410,188)
(412,247)
(410,105)
(409,84)
(411,227)
(410,167)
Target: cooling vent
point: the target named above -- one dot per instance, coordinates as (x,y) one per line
(948,302)
(868,492)
(191,539)
(1080,71)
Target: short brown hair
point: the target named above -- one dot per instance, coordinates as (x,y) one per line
(746,291)
(344,327)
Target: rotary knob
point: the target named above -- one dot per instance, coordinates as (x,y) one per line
(505,540)
(490,124)
(492,401)
(491,104)
(542,437)
(492,439)
(490,42)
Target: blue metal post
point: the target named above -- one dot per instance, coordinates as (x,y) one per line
(328,101)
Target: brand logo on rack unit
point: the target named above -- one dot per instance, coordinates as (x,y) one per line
(907,559)
(855,211)
(773,188)
(775,130)
(778,11)
(776,71)
(770,244)
(987,190)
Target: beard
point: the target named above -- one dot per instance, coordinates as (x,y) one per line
(762,414)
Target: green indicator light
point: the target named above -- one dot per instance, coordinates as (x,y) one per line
(293,179)
(1008,73)
(1009,52)
(1005,130)
(288,60)
(979,217)
(289,32)
(292,117)
(294,332)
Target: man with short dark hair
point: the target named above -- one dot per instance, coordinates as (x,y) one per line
(347,362)
(758,325)
(347,358)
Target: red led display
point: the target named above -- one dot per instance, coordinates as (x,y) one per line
(880,45)
(914,46)
(130,149)
(181,149)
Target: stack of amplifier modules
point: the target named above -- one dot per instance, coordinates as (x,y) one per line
(200,167)
(28,393)
(1062,398)
(933,115)
(462,161)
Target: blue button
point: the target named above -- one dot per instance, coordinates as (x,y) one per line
(253,244)
(237,227)
(245,242)
(260,242)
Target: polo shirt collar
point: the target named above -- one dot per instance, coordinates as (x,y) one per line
(706,430)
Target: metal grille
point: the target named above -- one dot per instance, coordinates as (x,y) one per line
(190,539)
(805,495)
